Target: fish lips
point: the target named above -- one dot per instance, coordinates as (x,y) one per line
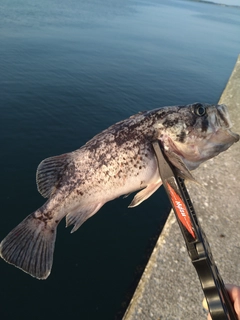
(223,139)
(233,136)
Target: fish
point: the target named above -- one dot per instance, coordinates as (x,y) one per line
(116,162)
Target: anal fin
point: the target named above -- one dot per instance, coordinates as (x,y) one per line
(79,215)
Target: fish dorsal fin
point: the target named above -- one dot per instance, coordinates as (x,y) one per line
(178,163)
(49,172)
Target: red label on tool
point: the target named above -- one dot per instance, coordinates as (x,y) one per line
(181,210)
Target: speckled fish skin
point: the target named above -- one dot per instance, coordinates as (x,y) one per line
(118,161)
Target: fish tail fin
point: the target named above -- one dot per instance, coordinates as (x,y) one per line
(30,246)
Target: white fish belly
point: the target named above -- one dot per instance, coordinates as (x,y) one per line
(124,183)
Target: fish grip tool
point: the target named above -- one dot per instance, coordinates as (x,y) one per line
(217,297)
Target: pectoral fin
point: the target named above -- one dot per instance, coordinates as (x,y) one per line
(144,194)
(178,163)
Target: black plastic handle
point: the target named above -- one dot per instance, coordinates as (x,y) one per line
(217,297)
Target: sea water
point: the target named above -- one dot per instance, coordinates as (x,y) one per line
(69,69)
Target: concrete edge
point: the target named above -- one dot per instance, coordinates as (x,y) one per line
(151,262)
(138,295)
(229,87)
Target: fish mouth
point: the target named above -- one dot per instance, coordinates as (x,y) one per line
(235,136)
(222,121)
(224,136)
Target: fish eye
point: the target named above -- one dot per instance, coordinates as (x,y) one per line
(199,110)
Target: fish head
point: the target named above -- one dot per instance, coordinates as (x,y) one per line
(199,132)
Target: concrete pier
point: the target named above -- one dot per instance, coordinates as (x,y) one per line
(169,288)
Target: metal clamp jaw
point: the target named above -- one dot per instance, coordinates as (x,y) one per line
(219,303)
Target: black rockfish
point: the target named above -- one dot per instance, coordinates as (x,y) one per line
(117,161)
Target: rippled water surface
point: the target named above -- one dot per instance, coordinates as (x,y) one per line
(69,69)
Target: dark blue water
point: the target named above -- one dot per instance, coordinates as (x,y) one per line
(69,69)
